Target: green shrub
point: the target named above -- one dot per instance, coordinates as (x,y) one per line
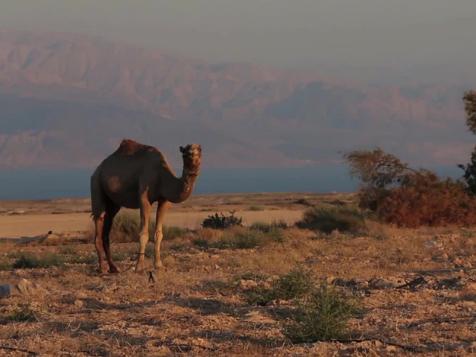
(201,243)
(260,296)
(26,261)
(322,316)
(294,284)
(328,218)
(221,221)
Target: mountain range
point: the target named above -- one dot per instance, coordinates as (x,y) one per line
(66,100)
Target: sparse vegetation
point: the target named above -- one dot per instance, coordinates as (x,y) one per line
(28,261)
(269,227)
(240,238)
(256,208)
(222,221)
(126,228)
(251,301)
(321,316)
(22,314)
(329,218)
(321,312)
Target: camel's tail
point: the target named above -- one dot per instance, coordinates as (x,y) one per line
(98,199)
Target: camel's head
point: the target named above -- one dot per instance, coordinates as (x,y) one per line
(192,155)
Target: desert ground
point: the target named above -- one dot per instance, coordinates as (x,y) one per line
(415,288)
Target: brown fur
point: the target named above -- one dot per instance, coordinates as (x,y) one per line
(136,176)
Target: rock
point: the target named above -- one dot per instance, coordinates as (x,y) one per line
(378,283)
(391,349)
(471,288)
(24,287)
(440,257)
(5,290)
(451,283)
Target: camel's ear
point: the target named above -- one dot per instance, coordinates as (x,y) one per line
(182,149)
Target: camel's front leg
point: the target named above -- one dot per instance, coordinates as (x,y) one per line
(144,232)
(159,219)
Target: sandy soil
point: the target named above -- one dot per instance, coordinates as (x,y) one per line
(416,289)
(32,218)
(28,225)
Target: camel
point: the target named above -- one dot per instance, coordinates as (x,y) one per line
(136,176)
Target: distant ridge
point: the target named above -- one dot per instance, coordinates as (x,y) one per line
(66,100)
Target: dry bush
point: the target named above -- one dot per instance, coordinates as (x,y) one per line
(424,199)
(401,195)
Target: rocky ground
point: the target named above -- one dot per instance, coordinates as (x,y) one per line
(416,290)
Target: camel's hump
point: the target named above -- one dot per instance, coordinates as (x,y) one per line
(130,147)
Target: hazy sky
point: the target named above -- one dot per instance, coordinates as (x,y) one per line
(360,38)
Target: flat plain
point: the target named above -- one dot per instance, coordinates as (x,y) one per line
(416,287)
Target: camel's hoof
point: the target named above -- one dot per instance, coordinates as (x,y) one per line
(113,269)
(103,269)
(152,277)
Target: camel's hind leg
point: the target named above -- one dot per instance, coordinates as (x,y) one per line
(98,241)
(111,212)
(98,208)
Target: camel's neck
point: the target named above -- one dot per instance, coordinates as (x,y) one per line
(178,189)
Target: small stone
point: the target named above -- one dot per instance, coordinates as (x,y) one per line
(78,303)
(471,287)
(5,290)
(391,349)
